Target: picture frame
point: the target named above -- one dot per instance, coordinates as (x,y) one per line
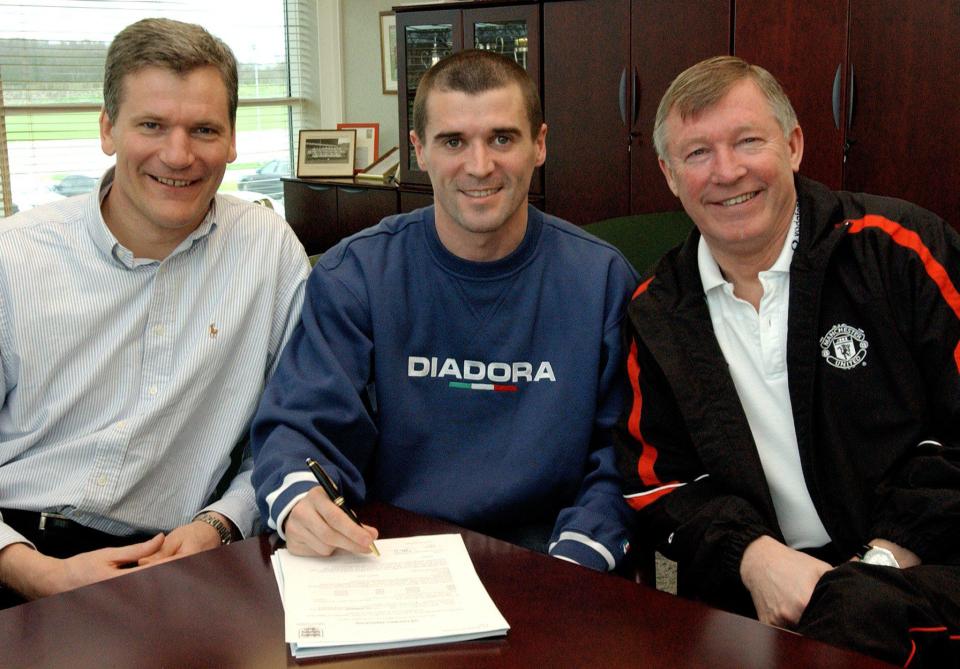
(385,167)
(326,153)
(368,143)
(388,52)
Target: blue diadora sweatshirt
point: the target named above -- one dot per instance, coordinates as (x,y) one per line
(480,393)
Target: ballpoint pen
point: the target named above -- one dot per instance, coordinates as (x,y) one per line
(333,493)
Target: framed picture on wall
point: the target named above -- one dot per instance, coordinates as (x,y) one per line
(368,137)
(388,52)
(326,153)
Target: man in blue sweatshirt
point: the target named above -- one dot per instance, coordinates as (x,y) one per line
(463,361)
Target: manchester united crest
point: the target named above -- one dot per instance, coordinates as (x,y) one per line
(844,346)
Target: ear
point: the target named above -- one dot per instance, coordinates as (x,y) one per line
(540,141)
(795,144)
(106,134)
(418,147)
(668,174)
(233,145)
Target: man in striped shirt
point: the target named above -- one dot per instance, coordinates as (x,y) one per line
(138,326)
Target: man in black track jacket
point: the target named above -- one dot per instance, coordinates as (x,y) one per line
(794,435)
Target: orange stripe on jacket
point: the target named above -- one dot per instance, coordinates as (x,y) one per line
(911,240)
(648,454)
(642,288)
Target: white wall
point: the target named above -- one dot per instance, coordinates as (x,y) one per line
(364,99)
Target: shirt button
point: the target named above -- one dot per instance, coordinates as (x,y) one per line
(120,424)
(102,480)
(152,390)
(158,330)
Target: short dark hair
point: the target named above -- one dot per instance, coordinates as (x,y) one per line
(474,71)
(703,85)
(173,45)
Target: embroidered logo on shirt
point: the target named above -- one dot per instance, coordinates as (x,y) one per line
(213,331)
(844,346)
(499,376)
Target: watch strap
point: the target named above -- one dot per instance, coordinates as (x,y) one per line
(226,534)
(877,555)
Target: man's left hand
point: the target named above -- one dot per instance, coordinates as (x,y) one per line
(185,540)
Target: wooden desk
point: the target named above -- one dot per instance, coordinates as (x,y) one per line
(222,609)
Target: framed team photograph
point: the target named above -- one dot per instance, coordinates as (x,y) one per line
(326,153)
(368,138)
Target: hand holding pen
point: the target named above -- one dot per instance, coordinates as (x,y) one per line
(333,493)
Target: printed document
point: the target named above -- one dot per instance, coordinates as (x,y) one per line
(421,590)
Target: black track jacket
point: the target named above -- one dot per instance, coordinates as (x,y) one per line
(873,359)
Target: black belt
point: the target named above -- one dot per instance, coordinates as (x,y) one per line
(43,527)
(38,521)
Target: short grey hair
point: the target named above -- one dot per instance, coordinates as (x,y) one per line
(703,85)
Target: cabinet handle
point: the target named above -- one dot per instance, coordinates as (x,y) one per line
(623,97)
(850,101)
(636,97)
(319,189)
(836,97)
(347,189)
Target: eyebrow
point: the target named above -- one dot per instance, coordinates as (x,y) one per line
(161,118)
(702,139)
(510,130)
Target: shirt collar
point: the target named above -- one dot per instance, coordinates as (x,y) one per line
(712,277)
(108,244)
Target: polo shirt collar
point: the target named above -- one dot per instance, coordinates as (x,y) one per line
(710,275)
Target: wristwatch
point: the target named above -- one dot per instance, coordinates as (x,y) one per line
(878,556)
(226,535)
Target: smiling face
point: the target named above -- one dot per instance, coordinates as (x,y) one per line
(480,157)
(732,168)
(173,139)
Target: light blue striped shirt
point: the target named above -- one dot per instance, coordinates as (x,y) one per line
(126,383)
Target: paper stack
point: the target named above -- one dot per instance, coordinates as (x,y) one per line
(422,590)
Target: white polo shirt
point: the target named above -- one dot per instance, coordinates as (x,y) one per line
(755,347)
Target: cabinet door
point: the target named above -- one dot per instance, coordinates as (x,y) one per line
(359,208)
(410,200)
(803,44)
(510,31)
(423,38)
(311,210)
(586,47)
(667,37)
(904,135)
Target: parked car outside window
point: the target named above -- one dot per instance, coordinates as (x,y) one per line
(74,184)
(267,179)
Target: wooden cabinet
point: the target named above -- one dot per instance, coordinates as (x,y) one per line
(322,212)
(803,44)
(424,36)
(874,83)
(606,64)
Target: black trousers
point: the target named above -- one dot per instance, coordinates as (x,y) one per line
(59,538)
(908,617)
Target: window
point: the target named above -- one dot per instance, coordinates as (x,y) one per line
(51,67)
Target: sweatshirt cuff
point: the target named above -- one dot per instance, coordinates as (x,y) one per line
(281,501)
(583,550)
